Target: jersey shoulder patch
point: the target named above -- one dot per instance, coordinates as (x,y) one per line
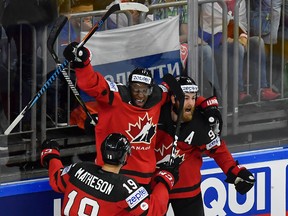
(67,169)
(137,197)
(164,89)
(213,143)
(112,86)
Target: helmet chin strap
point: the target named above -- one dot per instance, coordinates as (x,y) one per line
(150,90)
(175,114)
(175,110)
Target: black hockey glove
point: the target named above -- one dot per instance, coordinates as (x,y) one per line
(241,178)
(79,58)
(88,126)
(50,150)
(168,174)
(210,110)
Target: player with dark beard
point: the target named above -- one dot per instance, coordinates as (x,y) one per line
(196,137)
(93,190)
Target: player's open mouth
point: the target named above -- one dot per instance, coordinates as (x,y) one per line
(188,110)
(140,101)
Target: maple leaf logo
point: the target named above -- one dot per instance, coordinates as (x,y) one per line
(165,152)
(142,131)
(163,149)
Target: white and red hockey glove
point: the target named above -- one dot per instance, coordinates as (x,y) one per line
(50,150)
(79,57)
(241,178)
(209,108)
(165,177)
(168,173)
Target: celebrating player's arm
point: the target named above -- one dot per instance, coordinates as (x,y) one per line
(217,149)
(102,190)
(50,159)
(236,174)
(88,80)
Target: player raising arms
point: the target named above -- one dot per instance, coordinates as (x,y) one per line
(196,137)
(132,110)
(93,190)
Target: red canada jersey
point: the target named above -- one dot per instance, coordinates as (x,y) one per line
(89,190)
(196,137)
(116,114)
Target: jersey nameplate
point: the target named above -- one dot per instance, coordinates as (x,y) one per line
(137,197)
(215,142)
(93,181)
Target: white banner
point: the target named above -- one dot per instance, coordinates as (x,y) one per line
(134,41)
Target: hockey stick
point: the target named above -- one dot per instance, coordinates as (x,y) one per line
(55,31)
(114,8)
(179,94)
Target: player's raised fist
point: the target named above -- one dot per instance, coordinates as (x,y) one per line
(79,57)
(50,150)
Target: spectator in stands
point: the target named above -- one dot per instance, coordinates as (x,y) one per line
(25,28)
(206,58)
(121,20)
(207,22)
(103,190)
(196,137)
(273,8)
(270,12)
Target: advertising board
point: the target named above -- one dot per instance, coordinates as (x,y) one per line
(267,197)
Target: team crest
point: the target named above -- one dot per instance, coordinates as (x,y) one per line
(166,152)
(142,131)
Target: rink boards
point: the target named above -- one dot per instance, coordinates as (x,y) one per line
(268,197)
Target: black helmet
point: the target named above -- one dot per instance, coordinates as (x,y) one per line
(141,75)
(187,84)
(114,149)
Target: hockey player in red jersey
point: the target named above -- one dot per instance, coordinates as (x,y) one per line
(93,190)
(132,110)
(196,136)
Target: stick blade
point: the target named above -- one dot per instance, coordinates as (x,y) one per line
(133,6)
(53,35)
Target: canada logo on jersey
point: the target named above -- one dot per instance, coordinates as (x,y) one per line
(163,153)
(142,131)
